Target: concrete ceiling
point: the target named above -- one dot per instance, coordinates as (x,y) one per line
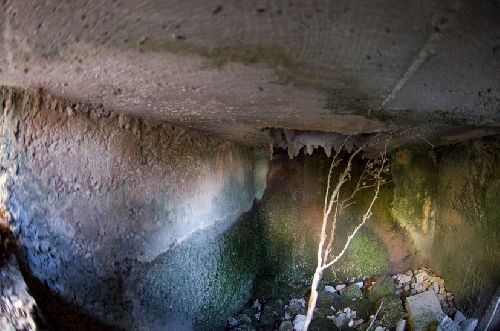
(236,67)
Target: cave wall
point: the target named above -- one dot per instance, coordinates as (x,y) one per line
(291,212)
(119,215)
(441,210)
(448,199)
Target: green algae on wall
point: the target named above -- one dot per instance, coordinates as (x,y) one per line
(291,213)
(415,196)
(202,281)
(365,256)
(457,188)
(467,241)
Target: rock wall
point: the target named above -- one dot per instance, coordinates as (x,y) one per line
(449,201)
(118,215)
(291,212)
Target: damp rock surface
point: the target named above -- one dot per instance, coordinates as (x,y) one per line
(380,303)
(423,309)
(96,196)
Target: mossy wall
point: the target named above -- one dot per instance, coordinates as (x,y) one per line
(415,194)
(449,200)
(200,283)
(291,213)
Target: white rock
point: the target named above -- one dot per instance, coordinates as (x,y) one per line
(330,289)
(287,316)
(379,328)
(459,317)
(423,309)
(256,304)
(405,279)
(447,324)
(469,324)
(298,322)
(359,284)
(341,320)
(340,287)
(351,323)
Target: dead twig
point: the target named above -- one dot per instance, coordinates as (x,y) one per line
(334,206)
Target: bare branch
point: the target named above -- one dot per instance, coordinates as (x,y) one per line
(376,315)
(333,198)
(332,166)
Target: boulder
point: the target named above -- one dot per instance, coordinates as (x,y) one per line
(340,287)
(298,322)
(423,310)
(459,317)
(447,324)
(405,279)
(330,289)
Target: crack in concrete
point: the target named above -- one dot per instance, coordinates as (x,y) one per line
(427,49)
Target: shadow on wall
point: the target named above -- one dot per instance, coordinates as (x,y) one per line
(56,313)
(291,213)
(448,199)
(94,195)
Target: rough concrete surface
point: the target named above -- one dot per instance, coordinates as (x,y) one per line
(235,67)
(291,212)
(447,199)
(423,311)
(93,195)
(127,165)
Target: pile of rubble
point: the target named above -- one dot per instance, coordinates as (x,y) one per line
(422,280)
(416,300)
(16,305)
